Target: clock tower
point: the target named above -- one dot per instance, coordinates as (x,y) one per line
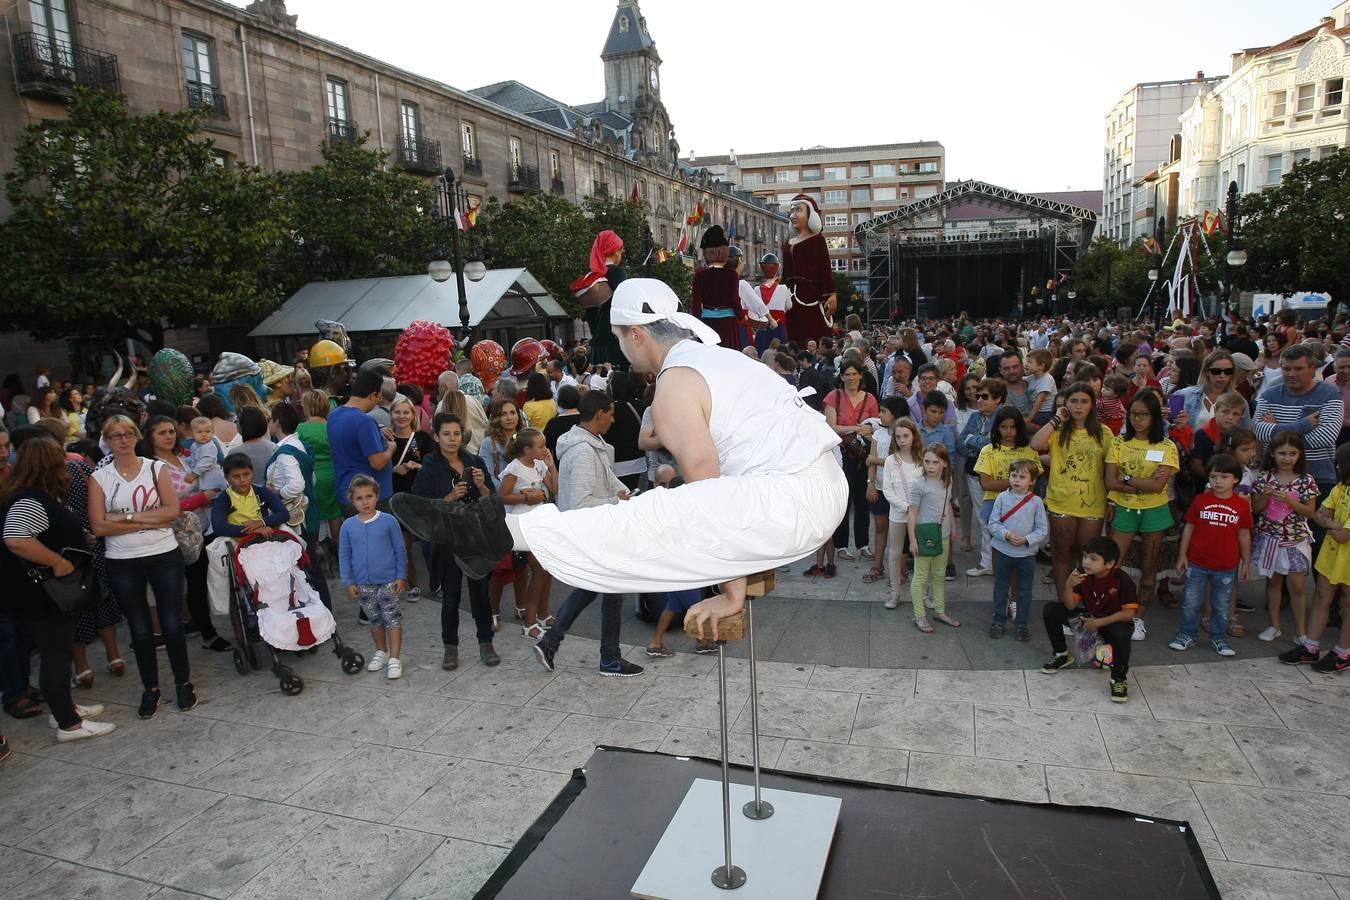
(633,83)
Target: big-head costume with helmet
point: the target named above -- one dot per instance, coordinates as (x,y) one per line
(776,492)
(236,368)
(807,274)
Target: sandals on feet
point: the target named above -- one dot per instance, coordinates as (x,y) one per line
(1237,629)
(83,680)
(547,621)
(117,667)
(876,573)
(496,622)
(533,632)
(24,708)
(922,625)
(520,614)
(866,553)
(946,620)
(847,555)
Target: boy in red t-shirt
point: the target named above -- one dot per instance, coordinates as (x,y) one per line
(1217,540)
(1106,596)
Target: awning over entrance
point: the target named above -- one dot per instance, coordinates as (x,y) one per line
(504,298)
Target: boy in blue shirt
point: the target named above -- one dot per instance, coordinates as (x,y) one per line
(1017,527)
(374,568)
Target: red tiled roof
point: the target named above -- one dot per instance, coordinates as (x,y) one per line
(1297,40)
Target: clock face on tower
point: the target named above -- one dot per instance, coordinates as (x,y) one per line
(651,78)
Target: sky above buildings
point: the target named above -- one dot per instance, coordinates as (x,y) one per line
(1017,92)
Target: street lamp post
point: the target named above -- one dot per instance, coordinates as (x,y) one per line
(1237,256)
(450,193)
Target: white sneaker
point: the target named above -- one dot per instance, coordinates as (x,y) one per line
(891,603)
(395,669)
(1140,632)
(91,711)
(978,571)
(413,595)
(1269,634)
(88,729)
(377,661)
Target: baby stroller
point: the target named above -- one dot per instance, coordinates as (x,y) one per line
(272,601)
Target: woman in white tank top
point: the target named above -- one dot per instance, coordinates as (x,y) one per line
(132,506)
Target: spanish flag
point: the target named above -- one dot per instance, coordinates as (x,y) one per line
(662,255)
(1213,222)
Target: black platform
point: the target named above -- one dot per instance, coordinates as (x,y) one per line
(892,842)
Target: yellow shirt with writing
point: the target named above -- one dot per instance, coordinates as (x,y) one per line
(994,461)
(1076,487)
(244,508)
(1139,459)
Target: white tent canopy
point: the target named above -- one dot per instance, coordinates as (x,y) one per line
(503,298)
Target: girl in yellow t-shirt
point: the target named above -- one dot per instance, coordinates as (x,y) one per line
(1009,442)
(1333,574)
(1075,496)
(1138,467)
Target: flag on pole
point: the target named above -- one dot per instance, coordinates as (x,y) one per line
(662,255)
(697,215)
(459,219)
(634,196)
(683,245)
(731,229)
(1213,222)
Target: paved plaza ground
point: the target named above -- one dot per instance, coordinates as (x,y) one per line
(361,787)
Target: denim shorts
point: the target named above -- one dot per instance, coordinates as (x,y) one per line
(881,506)
(380,604)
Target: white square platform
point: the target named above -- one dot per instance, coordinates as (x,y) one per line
(783,856)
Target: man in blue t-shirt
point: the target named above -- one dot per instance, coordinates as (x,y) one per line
(358,444)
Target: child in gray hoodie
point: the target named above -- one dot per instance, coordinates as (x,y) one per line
(1017,527)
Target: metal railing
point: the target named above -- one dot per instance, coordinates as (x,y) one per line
(601,190)
(522,178)
(341,131)
(208,97)
(473,165)
(44,61)
(422,154)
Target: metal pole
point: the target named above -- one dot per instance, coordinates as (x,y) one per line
(757,808)
(727,877)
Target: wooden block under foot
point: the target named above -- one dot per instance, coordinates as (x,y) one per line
(760,584)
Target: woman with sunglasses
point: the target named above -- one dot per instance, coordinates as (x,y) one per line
(1137,470)
(132,505)
(1197,402)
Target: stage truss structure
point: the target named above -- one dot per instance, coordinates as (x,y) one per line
(916,230)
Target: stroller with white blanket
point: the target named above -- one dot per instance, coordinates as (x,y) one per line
(269,598)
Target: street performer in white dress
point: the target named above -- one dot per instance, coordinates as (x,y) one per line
(762,487)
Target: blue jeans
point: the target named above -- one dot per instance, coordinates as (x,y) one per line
(16,654)
(1004,568)
(611,612)
(1220,584)
(129,579)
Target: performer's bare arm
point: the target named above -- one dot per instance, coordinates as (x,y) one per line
(680,414)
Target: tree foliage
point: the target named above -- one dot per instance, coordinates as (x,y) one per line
(122,224)
(351,217)
(1297,234)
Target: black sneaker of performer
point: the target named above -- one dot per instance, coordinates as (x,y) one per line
(545,652)
(621,669)
(149,704)
(1120,692)
(476,532)
(187,696)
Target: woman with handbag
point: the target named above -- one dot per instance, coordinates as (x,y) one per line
(846,409)
(191,530)
(132,505)
(41,541)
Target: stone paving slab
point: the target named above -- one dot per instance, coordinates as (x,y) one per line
(418,788)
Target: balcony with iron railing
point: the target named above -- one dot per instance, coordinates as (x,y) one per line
(341,131)
(50,68)
(601,189)
(419,154)
(473,165)
(557,186)
(522,179)
(209,98)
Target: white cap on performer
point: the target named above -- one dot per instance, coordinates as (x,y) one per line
(641,301)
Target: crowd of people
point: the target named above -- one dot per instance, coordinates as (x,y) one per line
(1196,455)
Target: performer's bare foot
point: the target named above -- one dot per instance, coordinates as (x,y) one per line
(717,607)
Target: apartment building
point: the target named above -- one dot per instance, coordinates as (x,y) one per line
(852,184)
(1139,129)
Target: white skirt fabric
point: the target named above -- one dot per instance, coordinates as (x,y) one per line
(698,534)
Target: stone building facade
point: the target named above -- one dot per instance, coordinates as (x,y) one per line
(275,92)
